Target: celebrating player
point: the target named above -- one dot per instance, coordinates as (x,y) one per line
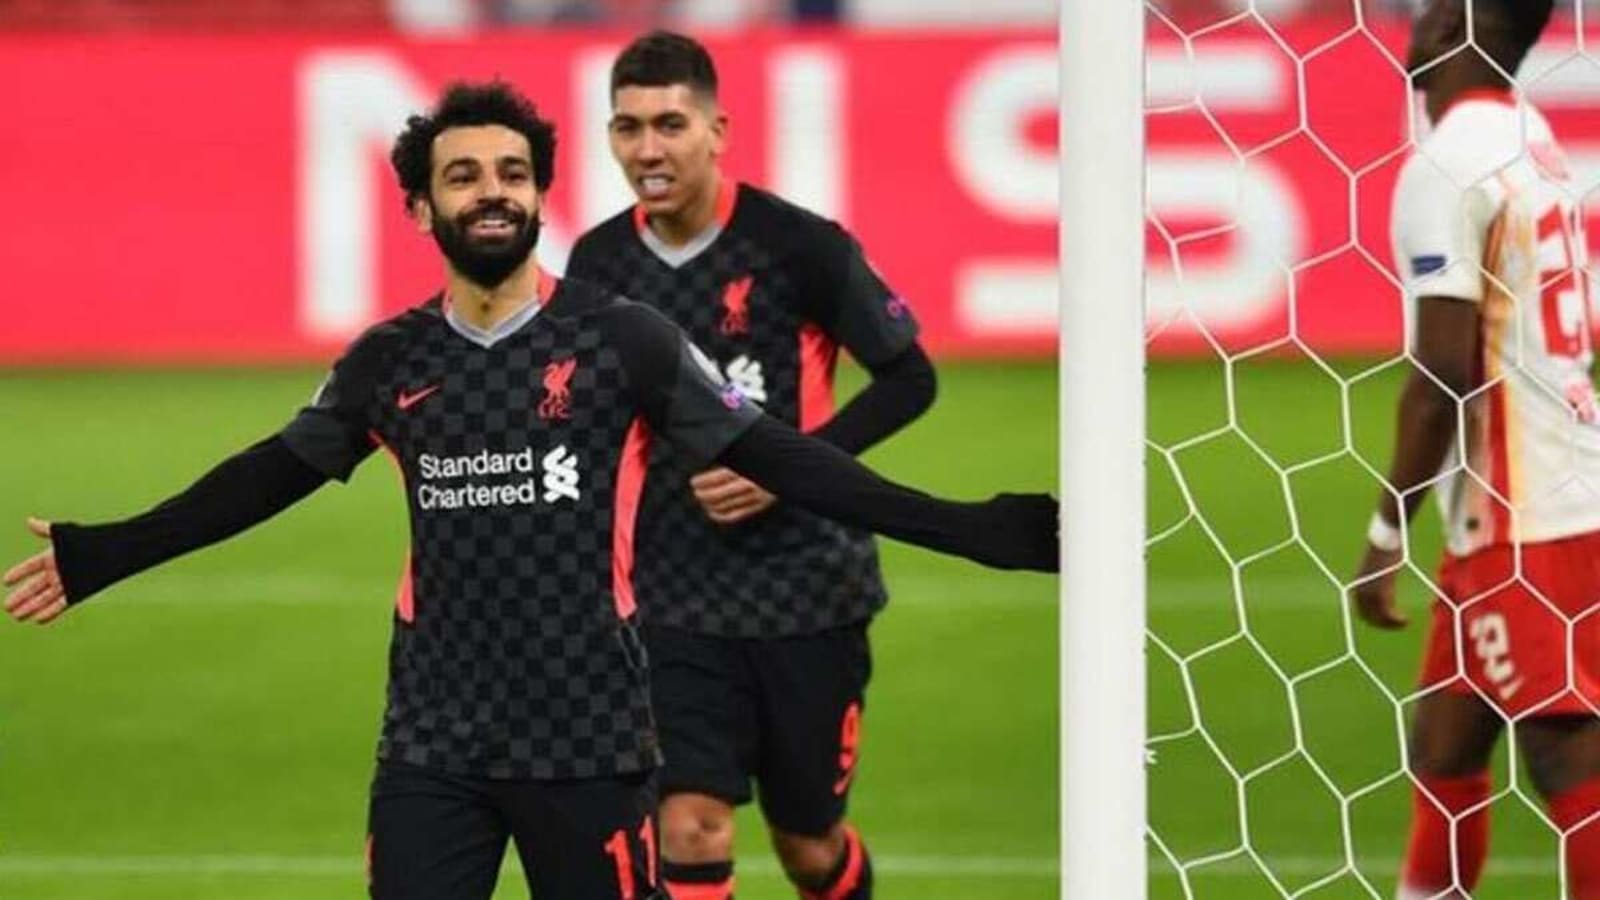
(1500,413)
(756,611)
(521,411)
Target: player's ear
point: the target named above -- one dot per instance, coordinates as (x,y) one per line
(719,129)
(422,211)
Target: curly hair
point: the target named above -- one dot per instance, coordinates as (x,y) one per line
(469,104)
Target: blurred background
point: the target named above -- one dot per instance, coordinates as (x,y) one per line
(200,215)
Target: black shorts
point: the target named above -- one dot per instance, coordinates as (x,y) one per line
(783,712)
(433,836)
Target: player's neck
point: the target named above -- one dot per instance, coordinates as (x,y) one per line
(485,308)
(1446,92)
(696,216)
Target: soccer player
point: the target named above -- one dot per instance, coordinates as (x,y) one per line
(521,411)
(756,611)
(1500,413)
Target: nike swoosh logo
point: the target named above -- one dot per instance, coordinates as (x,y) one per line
(405,401)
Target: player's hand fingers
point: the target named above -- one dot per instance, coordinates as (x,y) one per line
(731,492)
(712,478)
(742,510)
(39,527)
(52,612)
(39,562)
(37,604)
(30,588)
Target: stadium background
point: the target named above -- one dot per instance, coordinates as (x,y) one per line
(200,213)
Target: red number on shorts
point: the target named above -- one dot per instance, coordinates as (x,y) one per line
(1492,642)
(617,846)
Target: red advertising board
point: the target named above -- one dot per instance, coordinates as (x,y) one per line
(199,198)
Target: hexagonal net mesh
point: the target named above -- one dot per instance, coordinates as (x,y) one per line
(1284,303)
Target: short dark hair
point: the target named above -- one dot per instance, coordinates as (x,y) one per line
(1517,26)
(468,104)
(663,58)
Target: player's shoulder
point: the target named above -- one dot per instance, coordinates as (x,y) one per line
(579,298)
(786,227)
(383,338)
(608,235)
(1472,141)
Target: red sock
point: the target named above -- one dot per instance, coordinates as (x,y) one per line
(852,875)
(1574,812)
(1434,862)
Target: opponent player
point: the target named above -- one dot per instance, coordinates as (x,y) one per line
(756,611)
(1500,412)
(521,411)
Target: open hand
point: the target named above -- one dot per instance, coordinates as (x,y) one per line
(37,594)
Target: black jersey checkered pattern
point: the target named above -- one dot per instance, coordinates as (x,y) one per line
(514,659)
(786,572)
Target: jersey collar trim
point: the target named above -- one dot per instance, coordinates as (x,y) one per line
(488,337)
(678,257)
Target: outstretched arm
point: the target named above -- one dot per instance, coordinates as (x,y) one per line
(244,490)
(1008,531)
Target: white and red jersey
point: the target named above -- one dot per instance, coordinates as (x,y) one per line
(1483,212)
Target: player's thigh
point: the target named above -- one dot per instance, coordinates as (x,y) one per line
(813,699)
(1561,752)
(587,839)
(702,693)
(431,836)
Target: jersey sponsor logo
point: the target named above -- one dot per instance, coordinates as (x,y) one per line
(551,477)
(732,397)
(736,306)
(557,402)
(897,307)
(406,400)
(1426,265)
(560,475)
(745,374)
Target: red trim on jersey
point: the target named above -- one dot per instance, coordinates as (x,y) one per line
(818,354)
(727,196)
(547,285)
(630,485)
(404,598)
(1499,463)
(1502,96)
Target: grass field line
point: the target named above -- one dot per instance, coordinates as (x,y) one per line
(318,866)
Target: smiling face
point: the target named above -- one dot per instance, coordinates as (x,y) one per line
(668,140)
(482,206)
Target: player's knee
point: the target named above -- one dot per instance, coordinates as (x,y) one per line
(1560,753)
(807,860)
(696,829)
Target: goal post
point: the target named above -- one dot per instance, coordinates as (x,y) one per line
(1102,397)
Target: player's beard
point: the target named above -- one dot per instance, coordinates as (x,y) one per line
(486,263)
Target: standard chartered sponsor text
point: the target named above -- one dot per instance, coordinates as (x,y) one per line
(556,470)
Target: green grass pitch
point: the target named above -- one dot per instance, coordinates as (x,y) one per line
(207,729)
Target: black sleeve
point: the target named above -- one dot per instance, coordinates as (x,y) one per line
(900,390)
(245,489)
(841,292)
(332,434)
(1009,531)
(678,388)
